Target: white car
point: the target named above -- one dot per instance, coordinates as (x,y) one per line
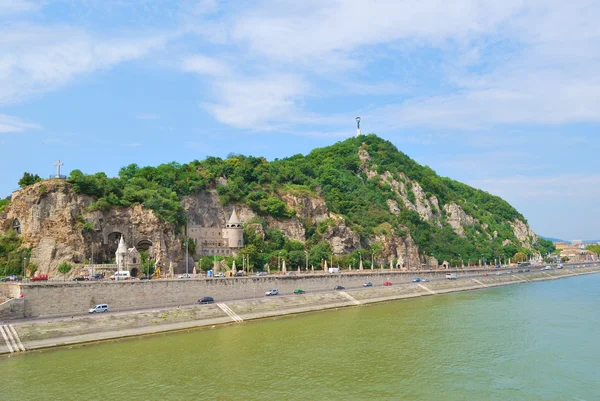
(272,292)
(99,308)
(184,276)
(220,275)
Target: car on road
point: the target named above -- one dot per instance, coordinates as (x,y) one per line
(519,271)
(261,274)
(97,276)
(272,292)
(40,277)
(527,270)
(206,300)
(485,274)
(416,280)
(146,277)
(100,308)
(220,275)
(299,291)
(387,283)
(368,284)
(425,280)
(339,287)
(14,277)
(79,278)
(185,276)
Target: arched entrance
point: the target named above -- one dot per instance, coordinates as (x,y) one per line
(144,245)
(134,272)
(113,241)
(16,225)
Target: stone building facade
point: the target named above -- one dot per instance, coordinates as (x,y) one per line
(221,241)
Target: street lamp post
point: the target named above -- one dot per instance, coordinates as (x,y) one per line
(24,264)
(481,260)
(306,258)
(186,257)
(460,257)
(359,258)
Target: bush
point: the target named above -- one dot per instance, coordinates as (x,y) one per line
(64,268)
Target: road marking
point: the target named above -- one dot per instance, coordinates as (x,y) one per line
(10,348)
(231,313)
(479,282)
(519,278)
(16,336)
(427,289)
(356,302)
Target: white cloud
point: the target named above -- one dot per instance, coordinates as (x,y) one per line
(257,103)
(203,65)
(10,124)
(36,59)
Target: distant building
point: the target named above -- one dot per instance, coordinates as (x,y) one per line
(127,258)
(222,241)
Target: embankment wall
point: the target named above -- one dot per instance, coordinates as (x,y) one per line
(51,299)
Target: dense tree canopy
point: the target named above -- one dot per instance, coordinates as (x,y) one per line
(332,172)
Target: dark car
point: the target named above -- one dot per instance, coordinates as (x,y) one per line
(206,300)
(368,284)
(146,277)
(80,278)
(12,278)
(98,276)
(339,287)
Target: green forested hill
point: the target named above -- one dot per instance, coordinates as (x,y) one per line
(352,188)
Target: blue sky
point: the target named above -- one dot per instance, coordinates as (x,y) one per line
(504,95)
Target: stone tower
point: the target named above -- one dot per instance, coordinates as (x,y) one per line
(234,231)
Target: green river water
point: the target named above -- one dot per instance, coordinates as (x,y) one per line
(537,341)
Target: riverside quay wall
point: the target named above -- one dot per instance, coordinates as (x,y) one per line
(74,298)
(63,298)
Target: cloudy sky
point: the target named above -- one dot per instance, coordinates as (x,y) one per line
(503,95)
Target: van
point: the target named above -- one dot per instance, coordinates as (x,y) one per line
(121,275)
(99,308)
(451,276)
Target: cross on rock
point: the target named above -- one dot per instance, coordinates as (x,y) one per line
(58,164)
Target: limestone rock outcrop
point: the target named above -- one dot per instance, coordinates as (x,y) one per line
(457,218)
(59,226)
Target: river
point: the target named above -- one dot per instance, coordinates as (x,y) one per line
(536,341)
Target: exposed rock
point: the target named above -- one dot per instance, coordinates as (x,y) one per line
(428,209)
(457,218)
(393,206)
(341,238)
(307,206)
(506,242)
(523,233)
(56,223)
(401,251)
(292,228)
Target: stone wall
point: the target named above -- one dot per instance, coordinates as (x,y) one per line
(12,309)
(48,299)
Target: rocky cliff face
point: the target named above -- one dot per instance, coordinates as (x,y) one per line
(57,224)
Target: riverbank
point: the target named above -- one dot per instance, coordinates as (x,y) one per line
(58,332)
